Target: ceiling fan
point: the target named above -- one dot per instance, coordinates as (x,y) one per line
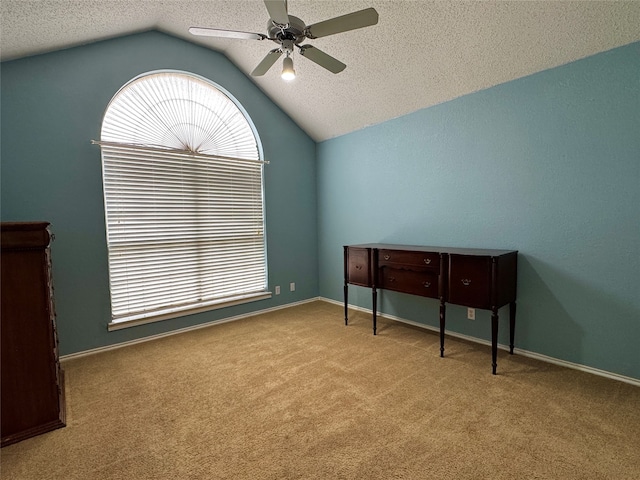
(289,31)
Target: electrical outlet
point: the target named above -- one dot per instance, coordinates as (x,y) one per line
(471,313)
(277,289)
(292,286)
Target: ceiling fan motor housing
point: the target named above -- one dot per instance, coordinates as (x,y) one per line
(294,33)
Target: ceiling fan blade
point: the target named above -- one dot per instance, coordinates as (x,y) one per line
(277,11)
(214,32)
(322,59)
(350,21)
(266,63)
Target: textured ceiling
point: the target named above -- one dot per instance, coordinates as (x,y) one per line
(420,53)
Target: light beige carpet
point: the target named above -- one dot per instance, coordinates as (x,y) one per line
(295,394)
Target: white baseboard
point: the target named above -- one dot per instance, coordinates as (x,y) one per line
(182,330)
(524,353)
(519,351)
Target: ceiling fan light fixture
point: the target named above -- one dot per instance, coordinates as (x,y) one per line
(288,73)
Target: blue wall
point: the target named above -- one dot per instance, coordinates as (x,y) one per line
(548,164)
(52,106)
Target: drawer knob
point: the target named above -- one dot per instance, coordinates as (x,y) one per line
(358,267)
(427,261)
(427,284)
(387,257)
(392,279)
(466,282)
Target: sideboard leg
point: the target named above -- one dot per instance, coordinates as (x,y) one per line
(494,339)
(442,321)
(512,325)
(346,302)
(375,308)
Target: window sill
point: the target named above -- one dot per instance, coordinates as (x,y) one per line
(142,319)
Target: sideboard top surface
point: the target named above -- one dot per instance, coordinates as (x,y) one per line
(448,250)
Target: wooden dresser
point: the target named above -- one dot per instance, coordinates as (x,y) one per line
(476,278)
(32,385)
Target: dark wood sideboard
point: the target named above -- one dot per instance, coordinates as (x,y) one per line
(32,381)
(477,278)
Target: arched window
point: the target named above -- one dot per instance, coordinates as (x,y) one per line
(183,189)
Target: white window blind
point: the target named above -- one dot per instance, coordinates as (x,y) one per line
(183,187)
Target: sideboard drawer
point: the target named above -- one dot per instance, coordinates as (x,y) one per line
(359,266)
(470,280)
(403,257)
(415,282)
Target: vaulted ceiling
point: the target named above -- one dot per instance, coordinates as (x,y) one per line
(420,53)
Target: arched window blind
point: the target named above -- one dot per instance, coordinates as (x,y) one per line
(183,188)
